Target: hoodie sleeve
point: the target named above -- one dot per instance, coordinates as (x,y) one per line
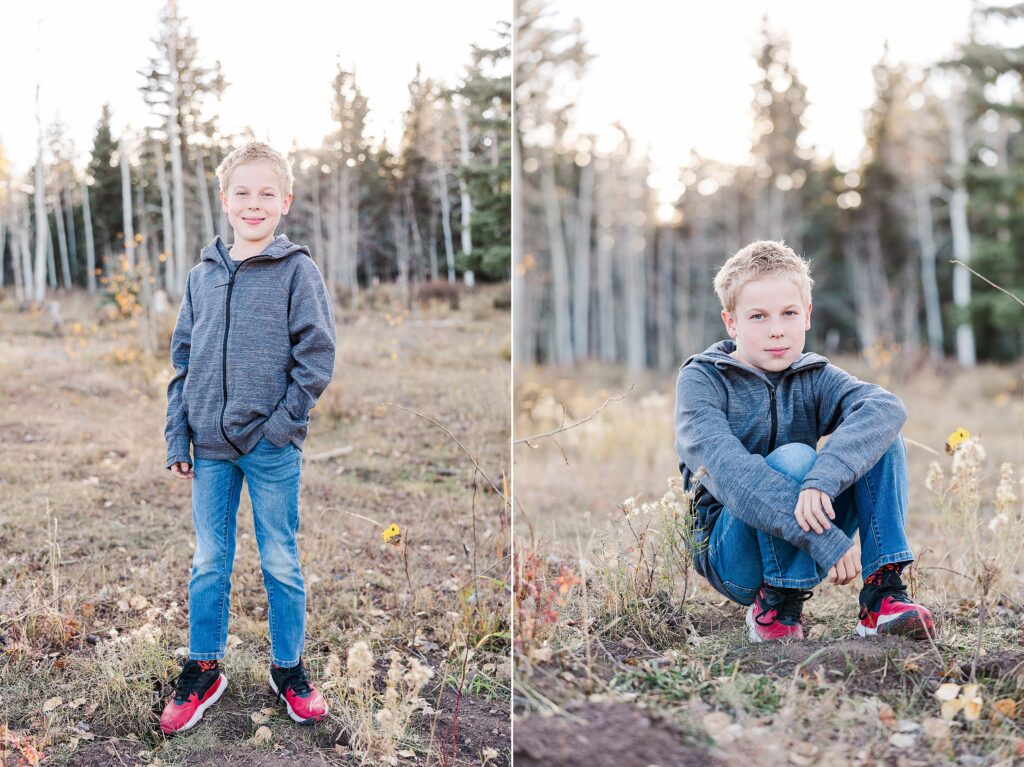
(743,482)
(176,431)
(863,418)
(311,327)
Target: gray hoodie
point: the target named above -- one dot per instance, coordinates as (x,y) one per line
(252,351)
(729,416)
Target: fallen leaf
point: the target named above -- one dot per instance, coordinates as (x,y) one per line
(258,717)
(1006,706)
(408,754)
(947,691)
(950,708)
(51,704)
(138,602)
(903,739)
(77,702)
(887,717)
(935,728)
(263,735)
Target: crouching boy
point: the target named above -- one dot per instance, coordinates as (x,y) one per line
(775,516)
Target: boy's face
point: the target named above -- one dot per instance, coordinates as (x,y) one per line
(254,202)
(769,323)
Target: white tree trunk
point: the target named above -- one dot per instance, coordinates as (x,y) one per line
(561,344)
(665,297)
(90,245)
(27,275)
(965,350)
(170,273)
(69,217)
(318,226)
(181,265)
(633,256)
(42,226)
(581,263)
(353,244)
(446,216)
(466,208)
(606,316)
(333,232)
(62,239)
(929,281)
(126,204)
(204,196)
(343,222)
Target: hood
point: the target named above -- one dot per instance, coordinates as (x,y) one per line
(280,247)
(718,355)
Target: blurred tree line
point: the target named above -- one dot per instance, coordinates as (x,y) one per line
(437,206)
(603,270)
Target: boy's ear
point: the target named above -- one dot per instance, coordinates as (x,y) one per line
(223,200)
(807,321)
(730,323)
(286,204)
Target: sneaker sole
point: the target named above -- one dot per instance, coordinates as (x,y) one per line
(222,681)
(907,624)
(291,712)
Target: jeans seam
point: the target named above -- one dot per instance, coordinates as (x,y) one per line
(224,560)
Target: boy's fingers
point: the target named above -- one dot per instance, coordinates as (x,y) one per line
(827,503)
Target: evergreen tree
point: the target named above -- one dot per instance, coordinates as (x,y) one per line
(105,190)
(488,175)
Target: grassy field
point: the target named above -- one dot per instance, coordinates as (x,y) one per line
(96,543)
(625,657)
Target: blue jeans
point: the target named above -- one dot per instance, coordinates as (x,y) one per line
(272,474)
(743,557)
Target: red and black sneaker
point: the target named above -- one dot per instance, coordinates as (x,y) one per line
(776,614)
(199,685)
(305,703)
(885,607)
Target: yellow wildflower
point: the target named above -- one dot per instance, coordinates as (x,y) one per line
(392,534)
(956,439)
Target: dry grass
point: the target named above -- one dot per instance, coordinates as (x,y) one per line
(96,542)
(635,625)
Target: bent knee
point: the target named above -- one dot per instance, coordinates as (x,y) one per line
(794,459)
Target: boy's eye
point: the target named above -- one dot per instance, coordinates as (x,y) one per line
(791,311)
(756,316)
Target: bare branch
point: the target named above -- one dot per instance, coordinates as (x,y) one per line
(986,279)
(455,439)
(528,441)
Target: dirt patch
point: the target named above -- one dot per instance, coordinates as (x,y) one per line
(612,734)
(481,724)
(869,667)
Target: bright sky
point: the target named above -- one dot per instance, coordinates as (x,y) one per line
(678,75)
(278,57)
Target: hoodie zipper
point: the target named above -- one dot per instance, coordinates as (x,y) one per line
(224,357)
(775,418)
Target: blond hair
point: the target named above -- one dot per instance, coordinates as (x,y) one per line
(761,259)
(256,151)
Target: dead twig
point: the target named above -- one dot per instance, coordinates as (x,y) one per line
(455,439)
(986,279)
(529,441)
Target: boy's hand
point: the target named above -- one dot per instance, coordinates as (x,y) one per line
(846,569)
(182,470)
(812,506)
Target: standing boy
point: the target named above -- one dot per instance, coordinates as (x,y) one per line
(253,349)
(774,516)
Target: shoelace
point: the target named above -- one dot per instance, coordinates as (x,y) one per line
(788,604)
(185,682)
(295,678)
(884,582)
